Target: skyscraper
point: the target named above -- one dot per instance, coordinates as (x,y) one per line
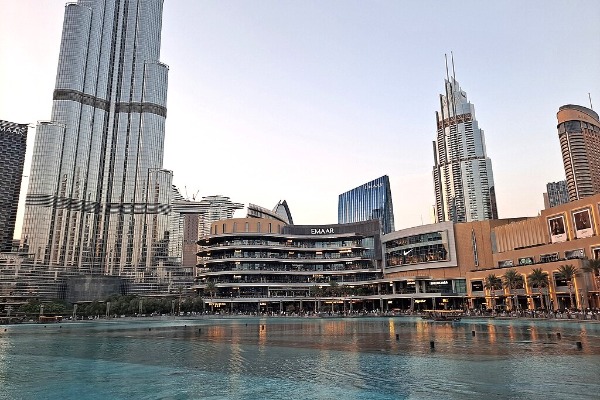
(191,219)
(556,194)
(12,157)
(98,199)
(579,135)
(215,208)
(462,174)
(373,200)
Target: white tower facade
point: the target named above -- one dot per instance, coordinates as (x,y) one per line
(462,174)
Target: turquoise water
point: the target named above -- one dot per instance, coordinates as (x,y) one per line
(300,358)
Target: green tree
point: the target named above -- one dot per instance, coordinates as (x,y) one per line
(538,279)
(512,280)
(211,289)
(318,291)
(492,283)
(568,272)
(593,266)
(31,307)
(334,288)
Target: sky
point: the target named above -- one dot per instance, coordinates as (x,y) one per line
(304,100)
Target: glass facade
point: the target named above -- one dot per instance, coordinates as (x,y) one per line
(557,193)
(373,200)
(462,174)
(14,142)
(98,199)
(417,249)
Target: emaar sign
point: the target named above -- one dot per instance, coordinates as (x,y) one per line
(321,231)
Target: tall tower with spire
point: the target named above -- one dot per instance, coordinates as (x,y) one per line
(462,173)
(98,198)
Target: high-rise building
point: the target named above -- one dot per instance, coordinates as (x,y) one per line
(191,219)
(462,174)
(215,208)
(372,200)
(556,194)
(579,135)
(98,199)
(12,158)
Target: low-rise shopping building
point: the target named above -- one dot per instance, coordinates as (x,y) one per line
(566,235)
(263,264)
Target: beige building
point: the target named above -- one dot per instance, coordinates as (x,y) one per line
(564,235)
(429,264)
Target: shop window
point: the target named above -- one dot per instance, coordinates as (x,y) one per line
(477,286)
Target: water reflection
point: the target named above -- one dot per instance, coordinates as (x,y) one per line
(368,358)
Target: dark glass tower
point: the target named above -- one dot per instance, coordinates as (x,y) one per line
(12,157)
(373,200)
(98,199)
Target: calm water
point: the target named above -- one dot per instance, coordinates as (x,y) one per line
(287,358)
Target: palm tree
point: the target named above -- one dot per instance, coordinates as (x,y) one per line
(512,280)
(211,289)
(334,288)
(593,266)
(493,283)
(538,278)
(568,272)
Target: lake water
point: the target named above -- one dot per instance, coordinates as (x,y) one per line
(301,358)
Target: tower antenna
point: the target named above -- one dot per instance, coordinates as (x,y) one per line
(453,72)
(590,97)
(447,74)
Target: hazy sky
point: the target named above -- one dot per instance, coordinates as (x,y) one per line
(304,100)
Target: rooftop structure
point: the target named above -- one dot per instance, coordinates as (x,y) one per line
(280,212)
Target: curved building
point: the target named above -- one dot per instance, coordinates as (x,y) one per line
(257,264)
(281,212)
(579,135)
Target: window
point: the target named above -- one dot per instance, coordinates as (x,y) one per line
(573,126)
(544,258)
(570,254)
(526,261)
(477,286)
